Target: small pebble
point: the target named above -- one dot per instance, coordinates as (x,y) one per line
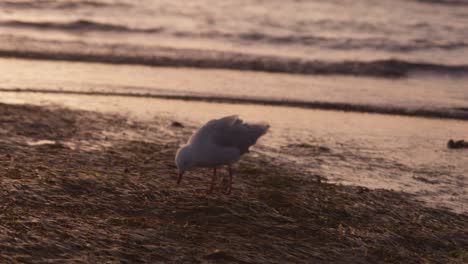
(176,124)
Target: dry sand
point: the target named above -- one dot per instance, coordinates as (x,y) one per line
(86,187)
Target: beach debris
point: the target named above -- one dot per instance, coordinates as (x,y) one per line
(177,124)
(310,146)
(457,144)
(42,142)
(362,189)
(425,180)
(219,142)
(319,178)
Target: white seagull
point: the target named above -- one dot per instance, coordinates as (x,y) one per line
(219,142)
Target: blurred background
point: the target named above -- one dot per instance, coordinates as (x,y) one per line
(418,50)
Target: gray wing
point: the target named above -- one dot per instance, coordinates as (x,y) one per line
(232,132)
(205,133)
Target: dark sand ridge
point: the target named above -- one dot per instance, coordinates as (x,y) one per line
(441,112)
(105,191)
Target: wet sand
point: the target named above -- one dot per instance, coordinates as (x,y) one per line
(418,93)
(80,186)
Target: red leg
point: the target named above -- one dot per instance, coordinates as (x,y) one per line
(212,181)
(230,180)
(179,178)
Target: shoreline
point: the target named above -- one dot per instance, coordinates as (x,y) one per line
(102,188)
(448,113)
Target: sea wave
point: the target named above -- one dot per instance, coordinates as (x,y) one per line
(25,47)
(446,113)
(338,43)
(52,4)
(445,2)
(76,25)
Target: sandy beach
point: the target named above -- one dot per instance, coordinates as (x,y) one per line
(81,187)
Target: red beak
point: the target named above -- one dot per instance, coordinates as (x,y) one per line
(180,177)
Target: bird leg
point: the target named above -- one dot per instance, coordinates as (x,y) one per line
(212,181)
(225,181)
(179,178)
(230,180)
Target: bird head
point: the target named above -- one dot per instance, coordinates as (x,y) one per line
(184,160)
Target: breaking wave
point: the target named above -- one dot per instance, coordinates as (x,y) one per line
(197,58)
(78,25)
(338,43)
(445,2)
(52,4)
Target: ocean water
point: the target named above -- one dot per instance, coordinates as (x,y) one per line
(304,36)
(278,61)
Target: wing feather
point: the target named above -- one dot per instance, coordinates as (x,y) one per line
(230,131)
(233,132)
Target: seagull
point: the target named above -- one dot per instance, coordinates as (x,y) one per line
(219,142)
